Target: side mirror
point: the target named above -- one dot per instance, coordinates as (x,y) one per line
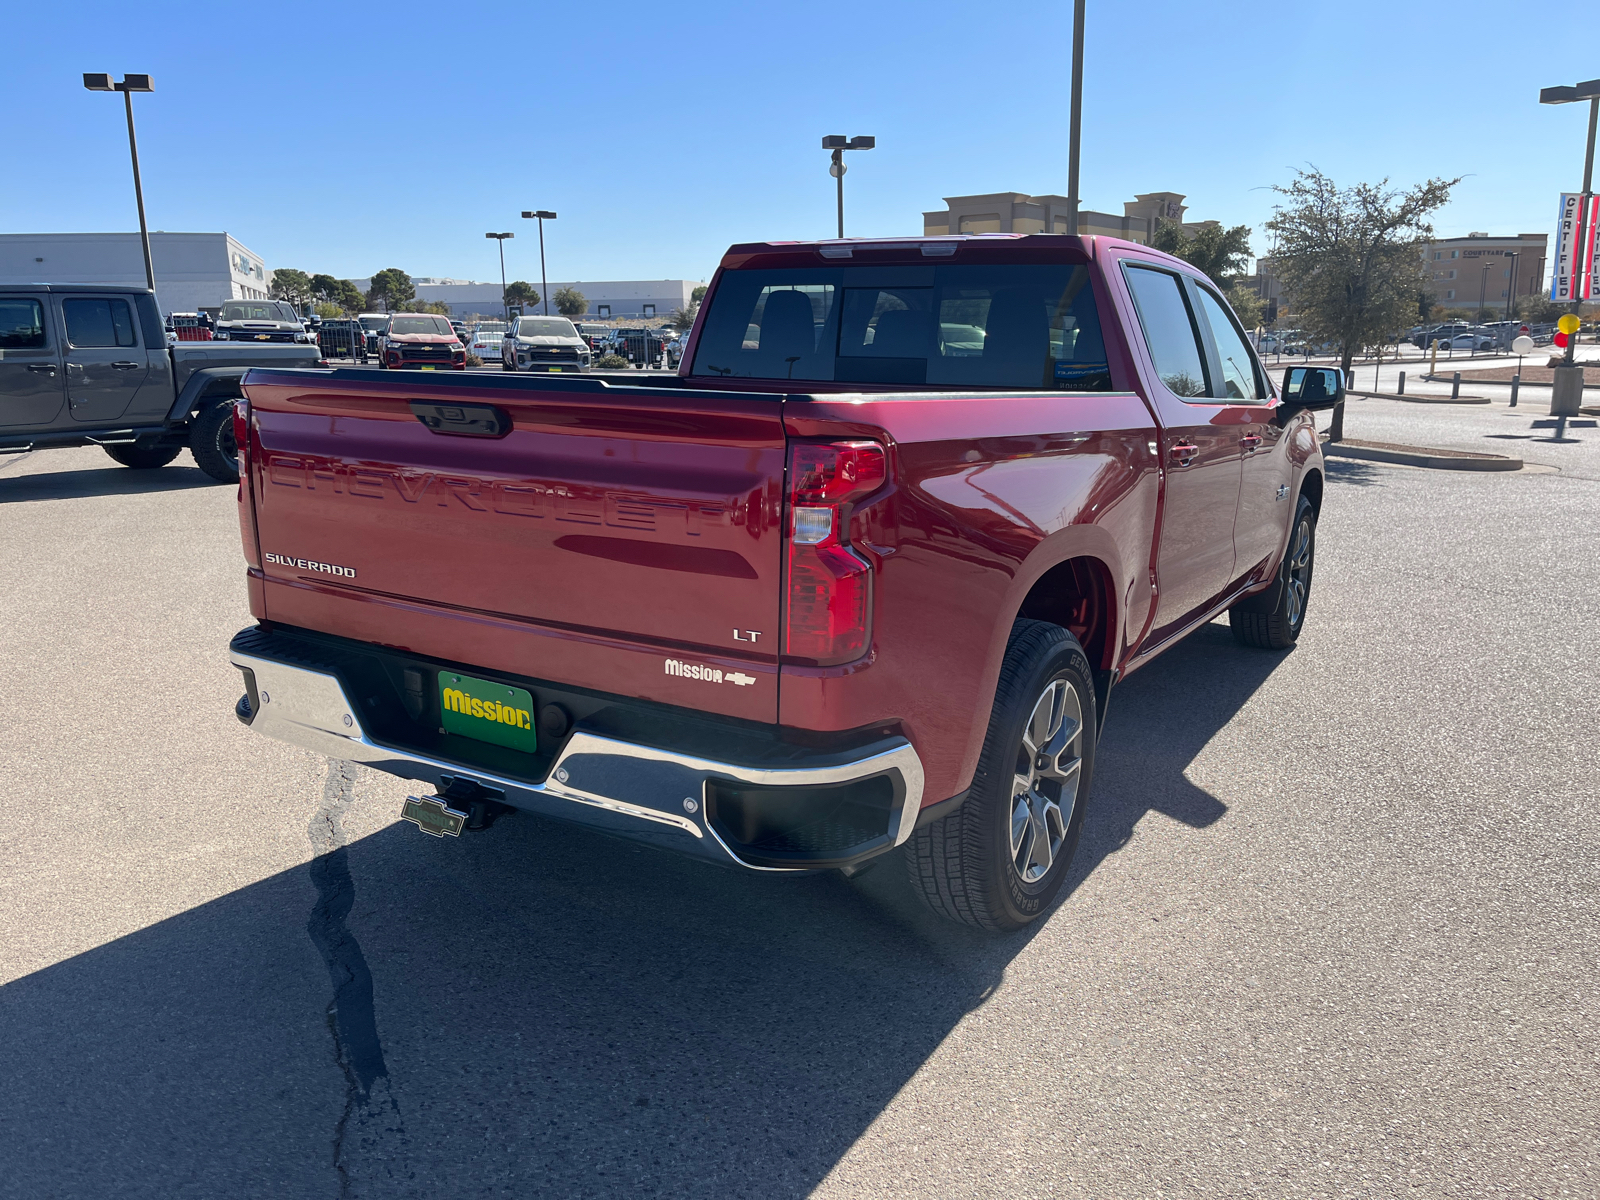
(1312,387)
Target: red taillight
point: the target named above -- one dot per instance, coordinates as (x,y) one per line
(247,508)
(829,612)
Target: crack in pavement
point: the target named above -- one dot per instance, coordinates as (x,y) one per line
(351,1018)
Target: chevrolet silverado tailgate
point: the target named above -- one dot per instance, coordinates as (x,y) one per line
(625,539)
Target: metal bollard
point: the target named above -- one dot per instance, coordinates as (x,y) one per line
(1402,389)
(1455,387)
(1516,382)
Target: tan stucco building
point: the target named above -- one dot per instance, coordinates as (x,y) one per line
(1454,268)
(1013,212)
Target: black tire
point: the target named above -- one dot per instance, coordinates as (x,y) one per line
(966,866)
(1273,619)
(144,454)
(507,364)
(212,443)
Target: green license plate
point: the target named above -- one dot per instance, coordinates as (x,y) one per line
(425,367)
(489,712)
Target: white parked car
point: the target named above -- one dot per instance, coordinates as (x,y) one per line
(486,345)
(1472,341)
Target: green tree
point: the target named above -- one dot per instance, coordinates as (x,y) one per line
(1538,310)
(523,293)
(291,285)
(1223,254)
(391,288)
(1351,258)
(329,311)
(683,318)
(324,287)
(698,294)
(1246,304)
(570,302)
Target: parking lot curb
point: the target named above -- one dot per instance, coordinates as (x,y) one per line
(1421,456)
(1420,399)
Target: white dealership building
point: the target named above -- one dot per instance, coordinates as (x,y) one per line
(193,270)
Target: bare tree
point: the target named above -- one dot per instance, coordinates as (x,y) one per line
(1351,259)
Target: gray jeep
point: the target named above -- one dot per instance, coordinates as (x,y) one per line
(88,365)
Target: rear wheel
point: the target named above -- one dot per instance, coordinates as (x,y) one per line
(1000,859)
(1272,620)
(144,455)
(212,443)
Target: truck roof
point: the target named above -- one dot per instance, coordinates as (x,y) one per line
(124,288)
(1009,247)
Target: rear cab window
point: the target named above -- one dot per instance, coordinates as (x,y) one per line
(950,326)
(98,323)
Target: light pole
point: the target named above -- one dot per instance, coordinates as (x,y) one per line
(129,85)
(1077,117)
(1511,281)
(1589,91)
(838,143)
(505,305)
(544,283)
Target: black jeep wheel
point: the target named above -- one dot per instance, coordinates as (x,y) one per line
(1000,859)
(212,443)
(145,454)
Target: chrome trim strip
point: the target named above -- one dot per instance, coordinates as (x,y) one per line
(310,709)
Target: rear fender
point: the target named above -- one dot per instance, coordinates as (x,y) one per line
(205,384)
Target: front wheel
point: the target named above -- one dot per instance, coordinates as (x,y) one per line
(212,443)
(1272,620)
(1000,859)
(144,454)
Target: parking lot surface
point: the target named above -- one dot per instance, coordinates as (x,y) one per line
(1332,930)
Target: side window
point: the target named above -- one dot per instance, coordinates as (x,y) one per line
(93,323)
(1168,330)
(1239,380)
(21,324)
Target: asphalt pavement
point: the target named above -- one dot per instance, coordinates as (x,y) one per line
(1332,930)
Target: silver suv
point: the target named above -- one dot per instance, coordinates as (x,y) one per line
(547,344)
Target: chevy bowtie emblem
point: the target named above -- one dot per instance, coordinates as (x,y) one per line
(739,678)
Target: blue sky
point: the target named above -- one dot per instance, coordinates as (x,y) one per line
(349,138)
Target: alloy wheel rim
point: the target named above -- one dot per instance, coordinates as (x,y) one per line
(1044,785)
(1299,572)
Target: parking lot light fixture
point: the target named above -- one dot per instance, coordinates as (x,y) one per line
(1589,91)
(100,82)
(505,305)
(542,215)
(838,143)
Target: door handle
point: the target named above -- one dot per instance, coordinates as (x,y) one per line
(42,368)
(125,365)
(1183,453)
(1251,443)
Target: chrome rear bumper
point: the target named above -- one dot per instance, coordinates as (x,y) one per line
(645,792)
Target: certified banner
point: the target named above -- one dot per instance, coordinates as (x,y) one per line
(1573,277)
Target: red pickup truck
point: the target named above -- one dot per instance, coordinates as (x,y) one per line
(862,575)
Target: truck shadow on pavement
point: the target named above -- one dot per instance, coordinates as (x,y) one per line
(107,481)
(556,1012)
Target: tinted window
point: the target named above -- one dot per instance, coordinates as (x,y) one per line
(258,311)
(436,325)
(21,324)
(1168,330)
(545,327)
(1239,381)
(1031,327)
(99,323)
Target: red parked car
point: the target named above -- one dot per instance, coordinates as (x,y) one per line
(861,577)
(423,341)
